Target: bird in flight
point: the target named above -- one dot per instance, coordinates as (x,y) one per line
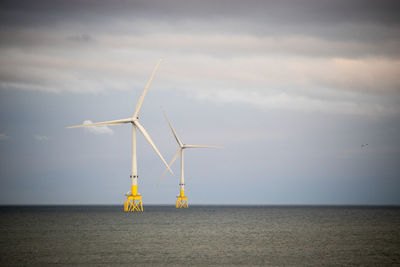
(363,145)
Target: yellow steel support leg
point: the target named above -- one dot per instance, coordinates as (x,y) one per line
(181,201)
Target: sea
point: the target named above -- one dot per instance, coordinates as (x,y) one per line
(200,236)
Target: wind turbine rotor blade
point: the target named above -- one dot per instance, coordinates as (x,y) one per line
(140,102)
(101,123)
(170,164)
(172,129)
(200,146)
(147,136)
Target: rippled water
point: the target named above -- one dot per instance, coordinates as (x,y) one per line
(200,235)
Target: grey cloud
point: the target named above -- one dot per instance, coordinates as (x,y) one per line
(324,54)
(31,39)
(289,11)
(352,28)
(246,44)
(81,38)
(354,86)
(355,105)
(310,17)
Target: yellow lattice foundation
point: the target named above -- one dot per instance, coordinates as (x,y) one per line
(181,201)
(133,201)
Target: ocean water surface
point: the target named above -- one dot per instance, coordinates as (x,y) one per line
(200,235)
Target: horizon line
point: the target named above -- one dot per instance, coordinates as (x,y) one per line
(157,204)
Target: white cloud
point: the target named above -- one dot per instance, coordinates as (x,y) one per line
(98,129)
(297,72)
(228,45)
(41,138)
(3,136)
(291,101)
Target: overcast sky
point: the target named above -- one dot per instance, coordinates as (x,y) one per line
(291,89)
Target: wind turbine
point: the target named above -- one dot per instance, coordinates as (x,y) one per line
(181,201)
(133,200)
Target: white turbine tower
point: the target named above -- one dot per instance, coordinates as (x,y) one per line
(181,201)
(134,200)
